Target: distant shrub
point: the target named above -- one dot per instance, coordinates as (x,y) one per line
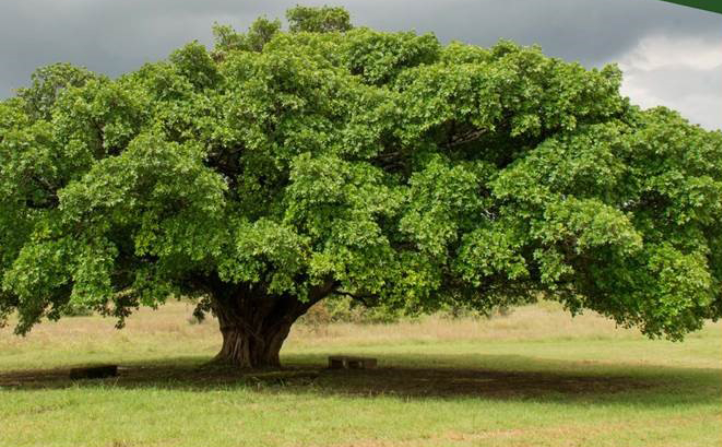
(346,310)
(76,310)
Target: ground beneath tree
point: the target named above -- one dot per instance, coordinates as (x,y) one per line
(536,377)
(394,381)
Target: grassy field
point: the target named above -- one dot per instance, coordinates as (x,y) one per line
(534,378)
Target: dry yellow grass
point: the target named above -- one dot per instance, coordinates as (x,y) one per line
(171,324)
(542,321)
(169,333)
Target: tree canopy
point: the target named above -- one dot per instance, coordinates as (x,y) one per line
(284,167)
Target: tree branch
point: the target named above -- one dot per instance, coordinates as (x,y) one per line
(360,298)
(466,138)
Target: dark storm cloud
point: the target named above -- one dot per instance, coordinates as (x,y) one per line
(114,36)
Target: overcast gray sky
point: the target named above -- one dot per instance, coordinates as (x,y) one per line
(671,55)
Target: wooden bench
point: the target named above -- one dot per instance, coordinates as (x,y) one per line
(350,362)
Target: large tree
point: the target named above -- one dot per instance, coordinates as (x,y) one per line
(282,168)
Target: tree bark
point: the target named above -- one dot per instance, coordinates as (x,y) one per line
(254,325)
(248,345)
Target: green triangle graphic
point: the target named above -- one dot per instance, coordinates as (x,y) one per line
(707,5)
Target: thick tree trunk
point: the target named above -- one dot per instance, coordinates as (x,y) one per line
(254,326)
(252,347)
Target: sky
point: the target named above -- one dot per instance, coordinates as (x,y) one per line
(671,55)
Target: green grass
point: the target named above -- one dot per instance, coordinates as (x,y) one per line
(536,378)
